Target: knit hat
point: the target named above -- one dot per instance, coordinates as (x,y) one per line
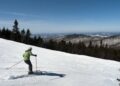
(29,49)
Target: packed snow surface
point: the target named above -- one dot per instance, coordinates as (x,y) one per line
(58,68)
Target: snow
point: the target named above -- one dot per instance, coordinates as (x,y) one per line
(77,70)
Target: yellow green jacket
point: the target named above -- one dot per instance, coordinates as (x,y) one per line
(26,55)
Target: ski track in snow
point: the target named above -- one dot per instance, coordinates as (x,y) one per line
(76,70)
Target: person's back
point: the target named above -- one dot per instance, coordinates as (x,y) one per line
(26,55)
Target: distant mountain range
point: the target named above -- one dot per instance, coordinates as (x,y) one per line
(112,39)
(99,34)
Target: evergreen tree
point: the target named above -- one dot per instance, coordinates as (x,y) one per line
(15,27)
(7,33)
(15,35)
(27,36)
(40,41)
(62,46)
(51,44)
(0,32)
(23,36)
(101,42)
(3,32)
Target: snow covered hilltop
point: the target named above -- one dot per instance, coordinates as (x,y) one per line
(110,39)
(79,70)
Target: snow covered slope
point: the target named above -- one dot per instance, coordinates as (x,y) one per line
(79,70)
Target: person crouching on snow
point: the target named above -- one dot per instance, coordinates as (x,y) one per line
(26,57)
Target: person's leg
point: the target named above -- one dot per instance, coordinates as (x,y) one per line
(30,65)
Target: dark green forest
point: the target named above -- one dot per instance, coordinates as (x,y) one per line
(25,36)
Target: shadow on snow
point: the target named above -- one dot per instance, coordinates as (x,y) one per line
(38,73)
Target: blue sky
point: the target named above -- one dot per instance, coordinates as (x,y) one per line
(56,16)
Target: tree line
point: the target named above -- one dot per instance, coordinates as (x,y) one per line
(25,36)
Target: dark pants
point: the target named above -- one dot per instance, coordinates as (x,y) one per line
(28,62)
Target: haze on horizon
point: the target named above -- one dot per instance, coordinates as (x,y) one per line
(56,16)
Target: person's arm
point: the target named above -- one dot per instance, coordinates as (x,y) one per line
(33,54)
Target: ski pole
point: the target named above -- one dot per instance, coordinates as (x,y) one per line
(36,63)
(14,65)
